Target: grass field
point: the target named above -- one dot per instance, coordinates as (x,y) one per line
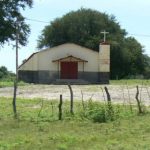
(130,82)
(10,83)
(112,82)
(40,129)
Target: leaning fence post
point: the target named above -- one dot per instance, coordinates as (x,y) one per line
(60,108)
(108,95)
(71,99)
(138,101)
(110,108)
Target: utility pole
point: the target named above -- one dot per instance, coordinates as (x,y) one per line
(16,79)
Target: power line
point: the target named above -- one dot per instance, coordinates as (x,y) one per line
(144,35)
(41,21)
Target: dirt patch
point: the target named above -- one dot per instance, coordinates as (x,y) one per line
(119,93)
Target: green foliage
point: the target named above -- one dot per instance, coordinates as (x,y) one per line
(131,60)
(5,74)
(98,115)
(10,83)
(147,67)
(39,110)
(102,113)
(95,112)
(83,27)
(6,84)
(9,13)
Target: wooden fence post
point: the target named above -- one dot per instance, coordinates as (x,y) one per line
(110,108)
(138,101)
(108,95)
(71,99)
(60,108)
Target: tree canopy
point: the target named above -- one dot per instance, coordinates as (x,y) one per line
(9,15)
(84,27)
(5,74)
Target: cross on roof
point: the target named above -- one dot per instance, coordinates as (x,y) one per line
(104,32)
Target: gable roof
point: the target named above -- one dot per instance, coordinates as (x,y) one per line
(71,58)
(24,61)
(47,49)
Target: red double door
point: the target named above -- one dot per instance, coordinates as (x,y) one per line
(69,70)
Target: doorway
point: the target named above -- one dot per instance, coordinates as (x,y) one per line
(69,70)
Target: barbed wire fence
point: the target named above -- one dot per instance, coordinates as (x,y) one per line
(46,106)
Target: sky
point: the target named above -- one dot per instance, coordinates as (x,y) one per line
(132,15)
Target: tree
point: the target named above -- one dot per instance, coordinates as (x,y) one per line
(14,28)
(9,14)
(129,60)
(83,27)
(3,72)
(136,57)
(147,67)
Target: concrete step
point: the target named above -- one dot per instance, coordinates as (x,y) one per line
(70,81)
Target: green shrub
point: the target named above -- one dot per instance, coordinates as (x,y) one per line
(95,112)
(99,115)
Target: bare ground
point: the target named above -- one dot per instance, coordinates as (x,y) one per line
(119,93)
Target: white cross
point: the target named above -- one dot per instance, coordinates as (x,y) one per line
(104,32)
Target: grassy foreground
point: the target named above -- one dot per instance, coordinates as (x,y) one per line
(130,82)
(11,83)
(39,129)
(5,83)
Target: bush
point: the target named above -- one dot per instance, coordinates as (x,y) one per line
(6,75)
(99,115)
(102,113)
(96,112)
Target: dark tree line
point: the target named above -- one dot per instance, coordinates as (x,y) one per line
(5,74)
(83,27)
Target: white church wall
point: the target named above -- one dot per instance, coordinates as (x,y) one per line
(31,64)
(44,59)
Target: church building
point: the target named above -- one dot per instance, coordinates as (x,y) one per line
(67,63)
